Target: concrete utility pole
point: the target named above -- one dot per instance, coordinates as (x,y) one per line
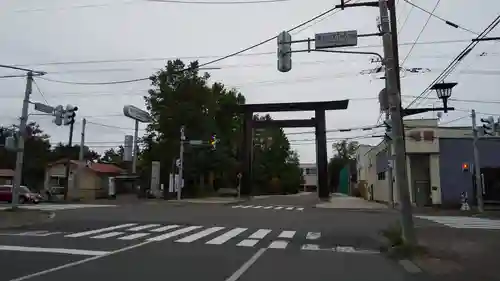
(68,163)
(81,154)
(82,140)
(398,132)
(477,166)
(18,175)
(390,177)
(181,163)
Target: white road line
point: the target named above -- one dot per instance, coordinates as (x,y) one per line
(134,236)
(259,234)
(107,235)
(165,228)
(174,233)
(257,207)
(248,243)
(226,236)
(286,234)
(201,234)
(345,249)
(299,209)
(278,208)
(238,273)
(238,206)
(268,207)
(278,244)
(90,232)
(247,206)
(72,264)
(142,227)
(313,235)
(289,208)
(52,250)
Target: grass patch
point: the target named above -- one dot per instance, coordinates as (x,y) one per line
(396,247)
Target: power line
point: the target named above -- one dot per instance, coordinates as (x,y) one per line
(40,91)
(433,42)
(420,33)
(450,23)
(212,61)
(111,126)
(453,64)
(220,2)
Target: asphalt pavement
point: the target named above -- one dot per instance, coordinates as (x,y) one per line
(161,240)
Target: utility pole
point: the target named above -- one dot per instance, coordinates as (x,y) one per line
(390,167)
(181,163)
(18,175)
(398,136)
(136,148)
(82,140)
(477,167)
(68,163)
(81,153)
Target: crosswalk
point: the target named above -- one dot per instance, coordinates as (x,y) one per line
(464,222)
(263,207)
(57,207)
(209,235)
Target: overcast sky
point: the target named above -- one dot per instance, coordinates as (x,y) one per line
(142,35)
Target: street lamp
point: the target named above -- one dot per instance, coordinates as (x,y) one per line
(443,91)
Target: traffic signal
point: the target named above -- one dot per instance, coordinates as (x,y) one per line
(58,114)
(284,51)
(388,130)
(69,115)
(213,141)
(489,126)
(465,167)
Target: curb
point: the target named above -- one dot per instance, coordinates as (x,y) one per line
(50,216)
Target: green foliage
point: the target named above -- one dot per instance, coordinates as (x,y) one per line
(37,154)
(344,151)
(181,96)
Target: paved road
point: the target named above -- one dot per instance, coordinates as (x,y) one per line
(200,242)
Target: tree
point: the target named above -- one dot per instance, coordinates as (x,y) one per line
(113,155)
(344,151)
(64,151)
(181,97)
(36,154)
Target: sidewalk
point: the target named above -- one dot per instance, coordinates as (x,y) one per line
(23,217)
(348,202)
(460,254)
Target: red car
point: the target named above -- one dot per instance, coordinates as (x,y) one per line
(25,195)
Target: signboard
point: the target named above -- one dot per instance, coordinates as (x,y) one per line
(127,148)
(336,39)
(136,114)
(195,142)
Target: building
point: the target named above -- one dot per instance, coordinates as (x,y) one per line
(93,182)
(435,156)
(6,176)
(310,174)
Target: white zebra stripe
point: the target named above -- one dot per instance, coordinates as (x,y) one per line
(174,233)
(198,235)
(226,236)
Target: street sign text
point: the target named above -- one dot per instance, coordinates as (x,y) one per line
(336,39)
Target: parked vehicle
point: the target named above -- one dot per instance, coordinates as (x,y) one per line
(24,193)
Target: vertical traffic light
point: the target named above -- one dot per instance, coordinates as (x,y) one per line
(489,126)
(284,51)
(69,115)
(213,141)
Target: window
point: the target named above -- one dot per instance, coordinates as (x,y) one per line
(310,171)
(381,176)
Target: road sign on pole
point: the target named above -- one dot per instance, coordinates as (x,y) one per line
(195,142)
(336,39)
